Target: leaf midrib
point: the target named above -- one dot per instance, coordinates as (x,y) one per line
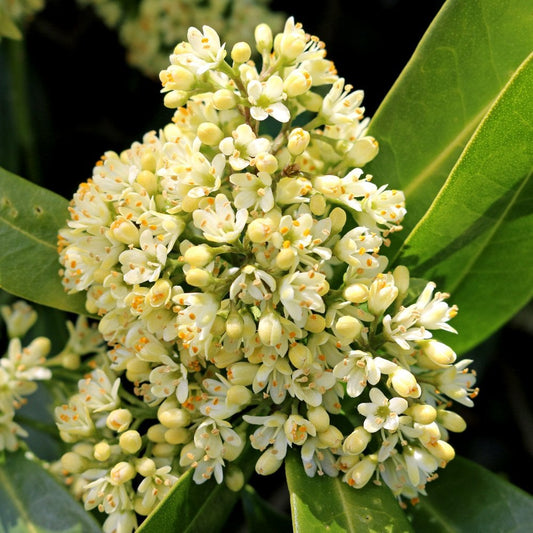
(26,234)
(19,506)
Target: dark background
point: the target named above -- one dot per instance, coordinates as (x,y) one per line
(87,100)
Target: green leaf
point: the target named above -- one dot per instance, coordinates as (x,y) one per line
(475,239)
(30,217)
(191,508)
(261,516)
(328,504)
(467,498)
(31,500)
(465,58)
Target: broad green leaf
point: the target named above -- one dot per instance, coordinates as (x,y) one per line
(32,501)
(475,240)
(30,217)
(465,58)
(192,508)
(468,497)
(261,516)
(328,504)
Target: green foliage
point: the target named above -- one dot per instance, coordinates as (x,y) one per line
(261,516)
(33,501)
(464,60)
(30,217)
(468,498)
(323,502)
(478,221)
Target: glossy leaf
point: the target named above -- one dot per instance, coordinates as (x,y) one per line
(261,516)
(191,508)
(466,57)
(31,500)
(322,503)
(468,497)
(30,217)
(480,224)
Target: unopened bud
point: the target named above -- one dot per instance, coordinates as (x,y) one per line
(234,478)
(331,437)
(381,294)
(148,180)
(241,52)
(198,277)
(317,204)
(348,327)
(238,395)
(73,463)
(102,451)
(121,473)
(451,421)
(266,162)
(145,466)
(119,420)
(130,441)
(297,83)
(362,472)
(286,258)
(357,441)
(300,355)
(438,352)
(177,435)
(234,325)
(298,141)
(405,384)
(338,219)
(356,293)
(422,413)
(269,462)
(175,99)
(209,133)
(319,417)
(241,373)
(315,323)
(224,99)
(263,38)
(156,433)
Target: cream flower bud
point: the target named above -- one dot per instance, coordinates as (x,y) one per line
(121,473)
(315,323)
(130,441)
(224,99)
(297,429)
(422,413)
(290,45)
(145,466)
(348,327)
(140,507)
(266,162)
(148,180)
(381,294)
(156,433)
(357,441)
(298,141)
(19,318)
(119,420)
(177,77)
(428,432)
(329,185)
(124,230)
(438,352)
(102,451)
(290,188)
(222,358)
(173,417)
(401,279)
(177,435)
(198,277)
(232,452)
(361,473)
(269,462)
(70,361)
(338,219)
(319,417)
(137,370)
(198,256)
(362,151)
(234,325)
(234,478)
(317,204)
(270,330)
(405,384)
(148,162)
(286,258)
(356,293)
(260,229)
(300,355)
(241,373)
(297,83)
(73,463)
(241,52)
(238,395)
(209,133)
(164,449)
(451,421)
(441,450)
(263,38)
(175,99)
(331,437)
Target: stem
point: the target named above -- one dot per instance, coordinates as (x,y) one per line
(22,117)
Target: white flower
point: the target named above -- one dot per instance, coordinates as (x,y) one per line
(98,392)
(252,285)
(300,292)
(381,412)
(339,105)
(359,248)
(266,97)
(206,47)
(253,190)
(243,146)
(218,221)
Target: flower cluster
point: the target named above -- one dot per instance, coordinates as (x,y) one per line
(235,259)
(20,368)
(149,29)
